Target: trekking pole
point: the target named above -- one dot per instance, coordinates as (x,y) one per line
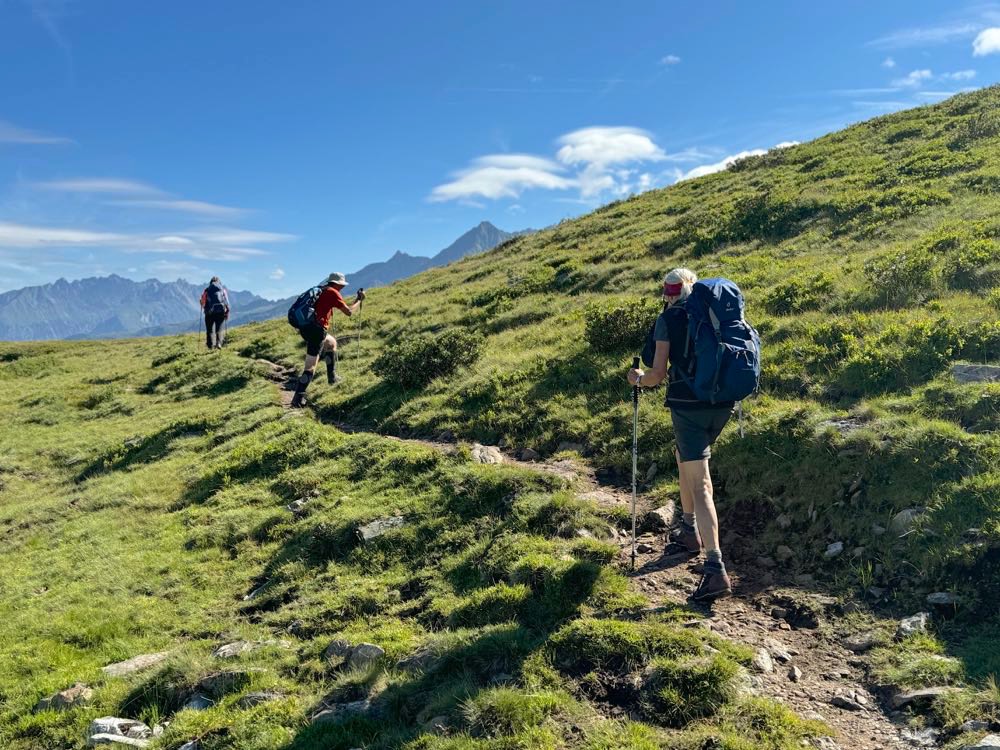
(361,307)
(635,450)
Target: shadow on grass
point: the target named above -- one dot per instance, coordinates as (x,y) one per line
(145,450)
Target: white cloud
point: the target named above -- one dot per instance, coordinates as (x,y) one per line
(227,236)
(10,133)
(987,42)
(22,235)
(277,274)
(959,75)
(670,60)
(200,208)
(914,79)
(604,146)
(174,241)
(888,63)
(502,176)
(725,163)
(919,37)
(99,185)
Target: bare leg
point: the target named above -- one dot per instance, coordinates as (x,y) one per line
(687,500)
(696,476)
(329,351)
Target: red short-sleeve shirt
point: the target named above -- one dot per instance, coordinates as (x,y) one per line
(329,299)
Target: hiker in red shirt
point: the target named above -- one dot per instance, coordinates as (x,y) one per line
(319,343)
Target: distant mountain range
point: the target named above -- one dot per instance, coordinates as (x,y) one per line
(114,307)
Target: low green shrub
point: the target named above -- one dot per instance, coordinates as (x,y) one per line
(679,691)
(616,326)
(973,265)
(503,711)
(993,299)
(903,277)
(415,361)
(798,294)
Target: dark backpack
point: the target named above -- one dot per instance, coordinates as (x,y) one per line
(303,310)
(215,299)
(723,348)
(649,348)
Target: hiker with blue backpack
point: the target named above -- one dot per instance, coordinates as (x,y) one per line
(310,315)
(710,356)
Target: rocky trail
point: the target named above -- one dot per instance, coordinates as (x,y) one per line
(799,660)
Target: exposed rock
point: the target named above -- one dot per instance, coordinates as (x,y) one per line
(364,655)
(222,683)
(110,730)
(942,599)
(72,697)
(877,530)
(192,745)
(340,711)
(804,579)
(902,523)
(783,553)
(920,699)
(486,454)
(377,528)
(964,373)
(912,625)
(846,702)
(833,550)
(923,737)
(660,519)
(823,743)
(437,725)
(232,650)
(861,642)
(784,521)
(566,445)
(643,548)
(795,674)
(255,699)
(989,742)
(762,661)
(777,650)
(135,664)
(297,506)
(446,436)
(779,613)
(876,592)
(529,454)
(651,472)
(198,702)
(338,649)
(975,725)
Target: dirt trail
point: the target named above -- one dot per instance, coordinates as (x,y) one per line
(752,616)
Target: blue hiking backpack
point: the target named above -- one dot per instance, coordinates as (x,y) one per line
(723,348)
(303,310)
(216,301)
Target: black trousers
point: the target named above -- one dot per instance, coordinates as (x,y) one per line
(214,321)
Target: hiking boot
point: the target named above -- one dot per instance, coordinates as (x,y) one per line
(713,586)
(299,400)
(332,378)
(683,543)
(331,368)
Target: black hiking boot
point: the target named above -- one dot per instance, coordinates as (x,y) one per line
(682,543)
(713,586)
(299,400)
(331,368)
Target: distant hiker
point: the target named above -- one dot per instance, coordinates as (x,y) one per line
(215,304)
(698,416)
(310,314)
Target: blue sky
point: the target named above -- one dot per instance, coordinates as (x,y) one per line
(272,142)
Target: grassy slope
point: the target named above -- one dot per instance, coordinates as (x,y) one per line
(143,492)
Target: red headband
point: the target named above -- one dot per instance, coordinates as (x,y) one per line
(673,290)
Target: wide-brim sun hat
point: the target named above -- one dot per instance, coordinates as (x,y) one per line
(336,278)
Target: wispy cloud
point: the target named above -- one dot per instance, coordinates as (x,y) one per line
(670,60)
(926,35)
(602,155)
(277,274)
(502,176)
(959,75)
(22,235)
(49,13)
(987,42)
(913,79)
(10,133)
(200,208)
(888,63)
(113,185)
(725,163)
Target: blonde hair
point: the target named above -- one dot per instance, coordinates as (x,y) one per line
(683,276)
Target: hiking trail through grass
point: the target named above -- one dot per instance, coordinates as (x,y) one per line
(809,665)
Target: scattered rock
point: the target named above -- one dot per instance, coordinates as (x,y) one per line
(338,649)
(975,725)
(651,472)
(297,506)
(437,725)
(72,697)
(846,702)
(446,437)
(529,454)
(98,740)
(912,625)
(565,445)
(902,523)
(942,599)
(833,550)
(135,664)
(779,613)
(364,655)
(377,528)
(975,373)
(928,738)
(192,745)
(989,742)
(643,548)
(783,553)
(762,661)
(659,519)
(198,702)
(341,711)
(920,699)
(232,650)
(777,650)
(795,674)
(486,454)
(255,699)
(877,530)
(110,730)
(822,743)
(784,521)
(876,592)
(804,579)
(219,684)
(861,642)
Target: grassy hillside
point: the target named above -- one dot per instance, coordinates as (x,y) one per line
(871,263)
(145,485)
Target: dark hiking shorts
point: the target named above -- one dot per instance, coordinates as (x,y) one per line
(696,429)
(314,335)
